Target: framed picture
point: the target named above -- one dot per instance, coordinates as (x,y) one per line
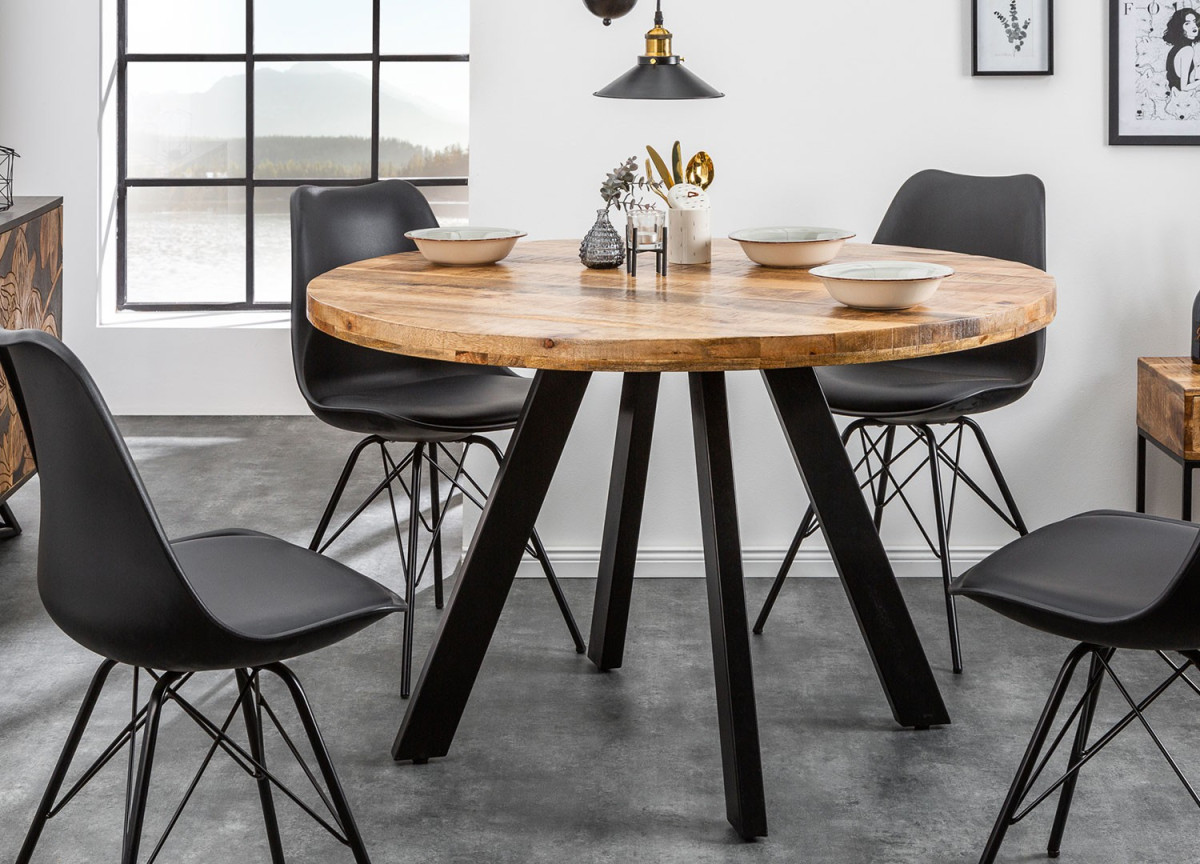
(1154,72)
(1012,37)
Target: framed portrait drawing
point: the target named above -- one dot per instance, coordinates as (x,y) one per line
(1154,72)
(1012,37)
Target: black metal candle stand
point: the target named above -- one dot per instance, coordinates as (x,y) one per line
(632,249)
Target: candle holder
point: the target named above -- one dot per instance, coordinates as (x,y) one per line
(646,231)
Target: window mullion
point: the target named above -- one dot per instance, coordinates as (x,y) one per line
(249,168)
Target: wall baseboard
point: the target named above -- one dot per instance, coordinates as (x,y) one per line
(572,562)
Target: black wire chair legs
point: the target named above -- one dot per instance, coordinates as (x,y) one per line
(880,463)
(316,741)
(413,565)
(943,542)
(1021,800)
(539,552)
(46,808)
(145,718)
(252,716)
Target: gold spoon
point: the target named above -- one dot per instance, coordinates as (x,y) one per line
(700,170)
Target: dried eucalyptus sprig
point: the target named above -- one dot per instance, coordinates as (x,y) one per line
(622,186)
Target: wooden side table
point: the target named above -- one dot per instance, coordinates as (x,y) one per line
(1168,416)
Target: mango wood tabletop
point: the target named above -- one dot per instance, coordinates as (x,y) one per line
(541,309)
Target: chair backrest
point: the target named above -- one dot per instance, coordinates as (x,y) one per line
(332,226)
(1000,217)
(106,572)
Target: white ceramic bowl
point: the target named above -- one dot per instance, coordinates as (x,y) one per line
(882,284)
(465,246)
(791,247)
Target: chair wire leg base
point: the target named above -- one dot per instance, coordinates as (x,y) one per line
(252,716)
(943,542)
(1016,807)
(539,552)
(46,807)
(807,526)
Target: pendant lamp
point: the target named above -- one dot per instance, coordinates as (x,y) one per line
(659,74)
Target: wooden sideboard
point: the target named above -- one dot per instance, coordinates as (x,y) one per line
(30,296)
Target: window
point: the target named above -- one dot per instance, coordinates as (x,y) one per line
(225,106)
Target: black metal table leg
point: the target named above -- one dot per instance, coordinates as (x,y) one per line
(1140,492)
(491,564)
(623,519)
(745,804)
(1187,491)
(862,564)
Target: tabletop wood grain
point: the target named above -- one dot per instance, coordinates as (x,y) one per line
(541,309)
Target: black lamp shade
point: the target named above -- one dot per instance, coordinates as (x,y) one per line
(659,81)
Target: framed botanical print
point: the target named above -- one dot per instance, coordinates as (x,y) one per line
(1012,37)
(1154,72)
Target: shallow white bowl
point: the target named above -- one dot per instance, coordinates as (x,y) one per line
(464,246)
(791,247)
(882,284)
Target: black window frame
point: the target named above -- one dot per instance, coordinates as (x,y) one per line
(249,183)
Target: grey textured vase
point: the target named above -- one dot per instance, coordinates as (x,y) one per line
(602,247)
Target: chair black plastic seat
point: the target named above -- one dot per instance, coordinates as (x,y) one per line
(447,407)
(281,599)
(922,390)
(1099,577)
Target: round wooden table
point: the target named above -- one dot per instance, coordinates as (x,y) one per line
(541,309)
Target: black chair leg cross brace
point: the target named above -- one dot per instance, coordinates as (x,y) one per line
(232,600)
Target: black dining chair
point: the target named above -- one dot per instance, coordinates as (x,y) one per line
(225,600)
(392,398)
(999,217)
(1107,580)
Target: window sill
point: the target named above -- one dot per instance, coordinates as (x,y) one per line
(274,319)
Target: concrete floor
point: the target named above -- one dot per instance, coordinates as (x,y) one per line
(554,761)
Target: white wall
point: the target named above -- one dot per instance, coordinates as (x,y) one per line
(829,107)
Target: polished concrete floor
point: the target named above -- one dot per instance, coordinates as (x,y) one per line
(553,761)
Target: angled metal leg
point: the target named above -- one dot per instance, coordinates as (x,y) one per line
(339,488)
(1020,782)
(790,557)
(1140,490)
(141,783)
(1187,491)
(1009,501)
(251,714)
(411,571)
(435,515)
(329,774)
(623,519)
(1086,713)
(943,540)
(737,716)
(857,551)
(9,526)
(64,761)
(486,576)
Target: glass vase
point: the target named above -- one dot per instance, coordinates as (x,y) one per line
(602,247)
